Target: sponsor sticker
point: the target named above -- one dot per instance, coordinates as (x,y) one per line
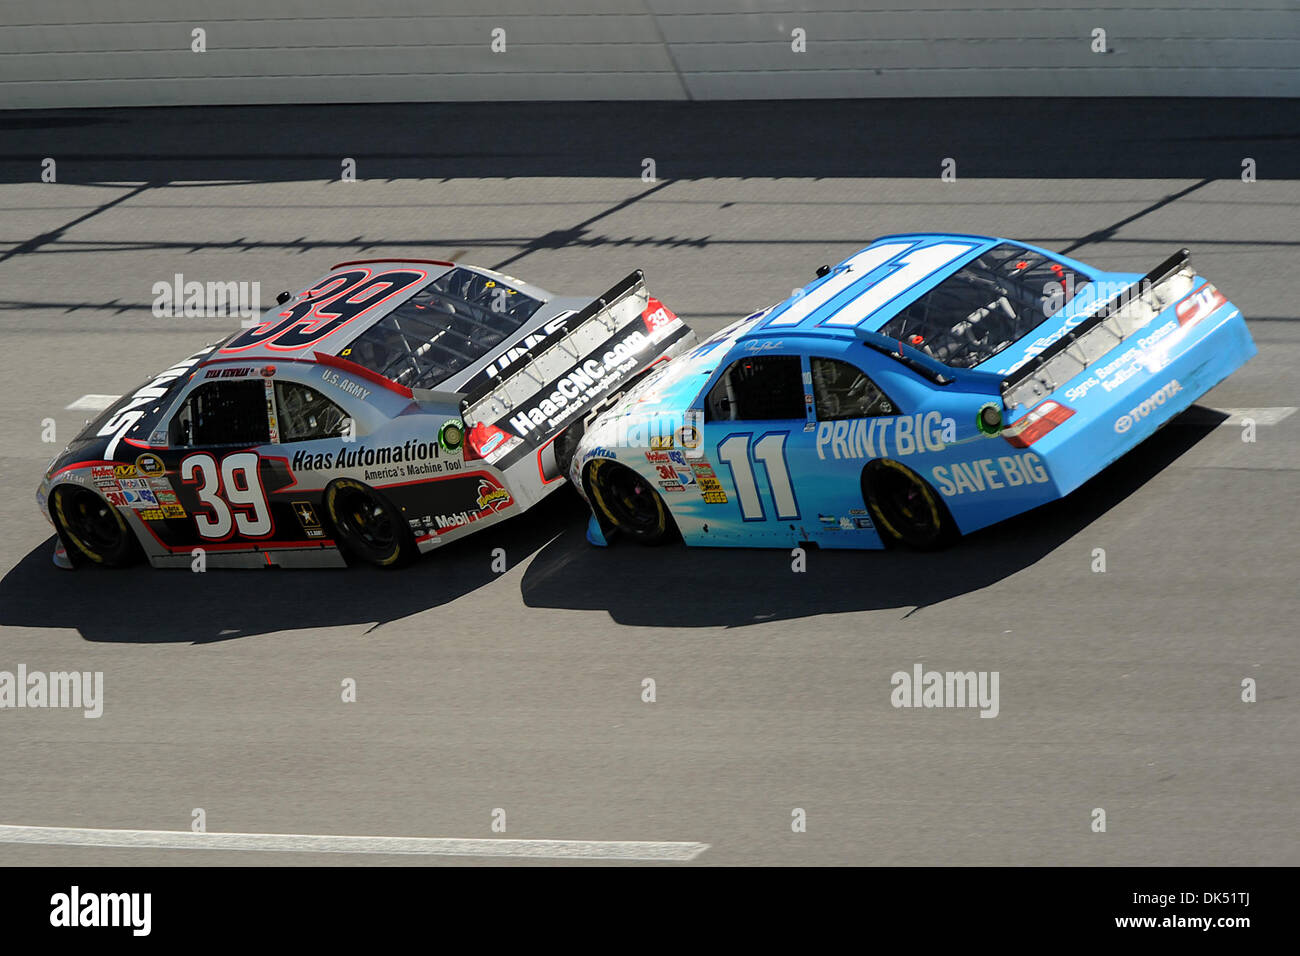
(492,496)
(583,383)
(305,512)
(1147,406)
(1204,301)
(707,481)
(102,476)
(144,498)
(891,436)
(657,316)
(150,465)
(989,474)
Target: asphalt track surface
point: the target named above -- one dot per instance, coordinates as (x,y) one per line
(522,691)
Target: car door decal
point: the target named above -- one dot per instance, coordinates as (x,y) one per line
(741,455)
(231,494)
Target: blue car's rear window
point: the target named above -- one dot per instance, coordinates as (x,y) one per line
(986,306)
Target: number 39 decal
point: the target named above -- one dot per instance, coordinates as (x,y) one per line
(331,304)
(232,494)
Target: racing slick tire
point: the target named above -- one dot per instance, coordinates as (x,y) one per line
(93,530)
(906,510)
(628,502)
(367,526)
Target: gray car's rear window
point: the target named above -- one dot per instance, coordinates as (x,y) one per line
(443,329)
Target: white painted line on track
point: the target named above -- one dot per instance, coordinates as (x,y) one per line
(1206,415)
(322,843)
(92,403)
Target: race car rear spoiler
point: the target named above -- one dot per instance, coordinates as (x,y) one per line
(593,355)
(1119,317)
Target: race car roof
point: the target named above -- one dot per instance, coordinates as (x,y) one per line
(868,288)
(354,297)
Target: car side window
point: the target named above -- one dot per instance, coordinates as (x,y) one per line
(223,413)
(305,414)
(842,390)
(759,388)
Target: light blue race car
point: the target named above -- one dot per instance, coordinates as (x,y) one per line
(926,387)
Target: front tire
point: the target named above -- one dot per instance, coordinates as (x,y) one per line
(93,530)
(628,502)
(906,510)
(367,525)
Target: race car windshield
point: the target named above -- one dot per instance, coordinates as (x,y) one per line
(986,306)
(443,329)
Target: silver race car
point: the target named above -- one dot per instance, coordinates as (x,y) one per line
(390,407)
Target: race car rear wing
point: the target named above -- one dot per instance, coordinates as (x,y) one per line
(1114,321)
(594,354)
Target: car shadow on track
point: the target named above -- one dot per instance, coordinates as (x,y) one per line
(143,605)
(671,586)
(676,586)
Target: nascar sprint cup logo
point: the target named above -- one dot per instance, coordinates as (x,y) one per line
(1139,412)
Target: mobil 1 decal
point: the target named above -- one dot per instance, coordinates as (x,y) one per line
(440,505)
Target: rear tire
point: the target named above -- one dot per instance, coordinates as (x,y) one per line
(93,530)
(906,510)
(367,525)
(628,502)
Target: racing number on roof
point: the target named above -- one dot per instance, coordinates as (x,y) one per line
(236,484)
(769,451)
(910,266)
(335,301)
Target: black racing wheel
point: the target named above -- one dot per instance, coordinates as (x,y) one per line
(628,502)
(367,525)
(906,509)
(92,528)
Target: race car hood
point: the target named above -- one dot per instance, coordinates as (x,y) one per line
(673,387)
(135,416)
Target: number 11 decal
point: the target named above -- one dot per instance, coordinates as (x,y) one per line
(734,451)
